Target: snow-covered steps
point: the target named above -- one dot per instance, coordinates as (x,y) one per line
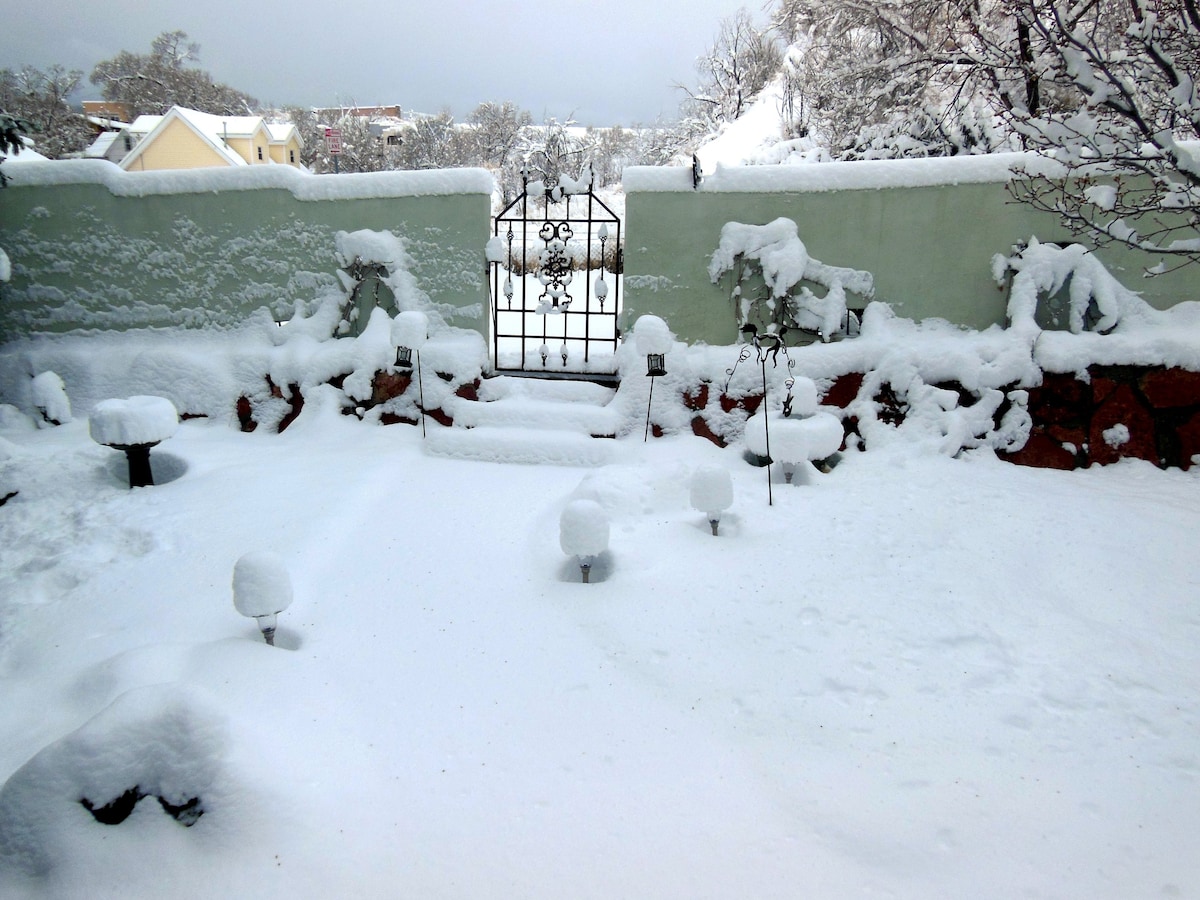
(520,445)
(526,420)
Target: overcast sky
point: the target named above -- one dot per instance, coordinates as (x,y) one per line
(605,62)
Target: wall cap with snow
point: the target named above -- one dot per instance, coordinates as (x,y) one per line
(303,185)
(839,176)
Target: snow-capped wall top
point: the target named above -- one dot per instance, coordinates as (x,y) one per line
(302,184)
(837,176)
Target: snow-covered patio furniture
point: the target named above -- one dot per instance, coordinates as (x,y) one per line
(134,426)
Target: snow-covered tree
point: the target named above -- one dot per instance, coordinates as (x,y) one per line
(1129,176)
(153,83)
(12,131)
(741,60)
(39,97)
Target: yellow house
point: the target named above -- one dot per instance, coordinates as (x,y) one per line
(187,139)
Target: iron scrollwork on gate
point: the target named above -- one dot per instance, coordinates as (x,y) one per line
(556,262)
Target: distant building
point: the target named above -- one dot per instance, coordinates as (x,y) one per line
(334,113)
(188,139)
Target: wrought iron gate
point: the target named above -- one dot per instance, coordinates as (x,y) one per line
(556,288)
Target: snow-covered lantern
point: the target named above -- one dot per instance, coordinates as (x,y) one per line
(653,339)
(583,533)
(262,589)
(410,330)
(712,493)
(134,425)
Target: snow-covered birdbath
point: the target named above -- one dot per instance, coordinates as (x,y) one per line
(133,426)
(583,533)
(712,493)
(795,440)
(262,589)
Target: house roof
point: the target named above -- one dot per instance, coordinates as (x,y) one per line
(100,146)
(205,126)
(281,132)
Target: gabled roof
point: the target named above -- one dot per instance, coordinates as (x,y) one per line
(206,127)
(100,146)
(280,133)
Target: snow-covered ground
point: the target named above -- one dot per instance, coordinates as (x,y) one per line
(913,677)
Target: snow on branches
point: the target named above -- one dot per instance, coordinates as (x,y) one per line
(1123,132)
(775,253)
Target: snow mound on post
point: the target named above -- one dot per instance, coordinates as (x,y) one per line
(261,584)
(583,528)
(136,420)
(712,490)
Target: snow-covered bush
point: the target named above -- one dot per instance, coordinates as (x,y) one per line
(134,425)
(583,532)
(159,741)
(262,589)
(50,399)
(712,493)
(775,254)
(1095,300)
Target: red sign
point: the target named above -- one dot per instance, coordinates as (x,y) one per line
(333,140)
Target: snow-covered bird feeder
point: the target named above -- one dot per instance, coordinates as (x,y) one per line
(712,493)
(134,426)
(794,441)
(262,589)
(583,533)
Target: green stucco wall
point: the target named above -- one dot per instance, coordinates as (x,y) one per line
(929,246)
(116,253)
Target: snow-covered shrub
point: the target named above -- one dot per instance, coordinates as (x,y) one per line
(262,589)
(583,532)
(160,741)
(775,254)
(50,399)
(134,426)
(712,493)
(1095,300)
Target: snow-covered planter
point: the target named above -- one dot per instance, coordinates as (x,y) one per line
(794,441)
(583,533)
(134,425)
(262,589)
(50,399)
(712,493)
